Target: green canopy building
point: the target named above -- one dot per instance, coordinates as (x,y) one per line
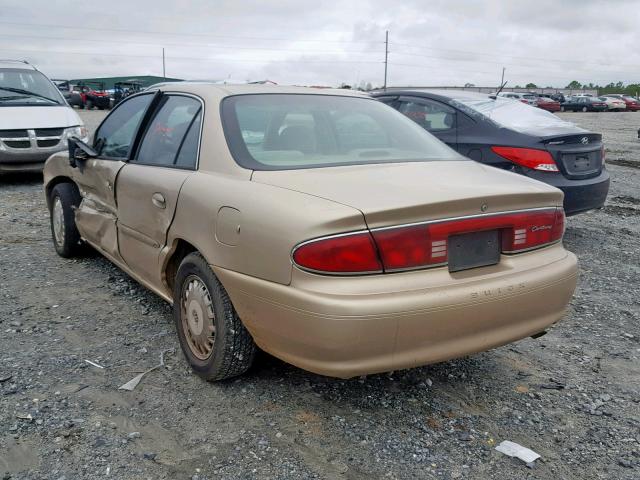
(109,82)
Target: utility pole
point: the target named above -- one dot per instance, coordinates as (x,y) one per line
(164,75)
(386,57)
(502,81)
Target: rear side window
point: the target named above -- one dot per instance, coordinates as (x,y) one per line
(188,154)
(167,132)
(115,136)
(432,116)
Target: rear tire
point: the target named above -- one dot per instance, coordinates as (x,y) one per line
(212,336)
(66,238)
(585,109)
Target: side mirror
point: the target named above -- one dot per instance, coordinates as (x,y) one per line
(79,152)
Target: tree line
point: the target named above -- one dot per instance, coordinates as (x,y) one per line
(618,87)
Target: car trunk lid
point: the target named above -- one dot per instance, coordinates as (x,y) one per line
(401,193)
(578,156)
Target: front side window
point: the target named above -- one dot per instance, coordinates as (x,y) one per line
(432,116)
(165,134)
(114,137)
(289,131)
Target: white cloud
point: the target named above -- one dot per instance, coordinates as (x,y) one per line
(431,43)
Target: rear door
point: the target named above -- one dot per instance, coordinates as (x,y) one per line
(148,186)
(96,216)
(435,117)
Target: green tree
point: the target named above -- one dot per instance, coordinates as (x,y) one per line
(574,84)
(531,85)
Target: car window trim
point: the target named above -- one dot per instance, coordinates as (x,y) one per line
(95,136)
(143,128)
(454,112)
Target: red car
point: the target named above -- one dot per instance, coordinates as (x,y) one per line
(94,97)
(548,104)
(632,104)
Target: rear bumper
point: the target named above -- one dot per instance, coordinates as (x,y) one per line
(579,195)
(345,327)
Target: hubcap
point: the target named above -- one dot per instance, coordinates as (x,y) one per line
(198,318)
(57,216)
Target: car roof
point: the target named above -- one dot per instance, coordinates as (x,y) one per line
(227,90)
(443,93)
(22,64)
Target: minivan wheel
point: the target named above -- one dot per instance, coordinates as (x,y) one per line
(584,109)
(562,109)
(66,238)
(212,336)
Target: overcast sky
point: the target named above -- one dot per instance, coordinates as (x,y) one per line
(431,42)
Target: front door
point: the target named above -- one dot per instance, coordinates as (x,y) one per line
(148,187)
(96,217)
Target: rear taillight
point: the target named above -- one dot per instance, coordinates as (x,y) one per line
(425,245)
(528,157)
(341,254)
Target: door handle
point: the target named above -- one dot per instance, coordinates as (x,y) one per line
(158,200)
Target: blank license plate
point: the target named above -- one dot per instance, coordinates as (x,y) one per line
(471,250)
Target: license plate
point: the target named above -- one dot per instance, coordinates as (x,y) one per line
(472,250)
(582,163)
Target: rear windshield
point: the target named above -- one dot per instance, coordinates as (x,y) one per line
(291,131)
(516,116)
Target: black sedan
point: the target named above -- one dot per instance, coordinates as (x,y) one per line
(511,135)
(583,104)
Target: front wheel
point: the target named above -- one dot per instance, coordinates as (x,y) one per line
(212,336)
(66,238)
(562,109)
(585,109)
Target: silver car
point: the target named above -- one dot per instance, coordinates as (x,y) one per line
(35,119)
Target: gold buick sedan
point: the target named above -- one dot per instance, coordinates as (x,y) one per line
(321,226)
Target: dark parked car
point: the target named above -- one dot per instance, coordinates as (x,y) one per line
(71,95)
(583,104)
(511,135)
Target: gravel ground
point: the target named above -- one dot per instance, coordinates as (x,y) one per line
(573,395)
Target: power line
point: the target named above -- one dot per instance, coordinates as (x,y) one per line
(181,44)
(450,59)
(185,34)
(498,55)
(431,67)
(200,59)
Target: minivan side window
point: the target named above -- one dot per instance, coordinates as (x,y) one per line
(167,132)
(115,135)
(430,115)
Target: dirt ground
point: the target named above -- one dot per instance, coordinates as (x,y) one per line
(573,396)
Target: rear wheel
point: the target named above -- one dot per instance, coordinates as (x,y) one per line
(66,238)
(212,336)
(585,109)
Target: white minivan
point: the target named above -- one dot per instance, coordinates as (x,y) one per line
(35,119)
